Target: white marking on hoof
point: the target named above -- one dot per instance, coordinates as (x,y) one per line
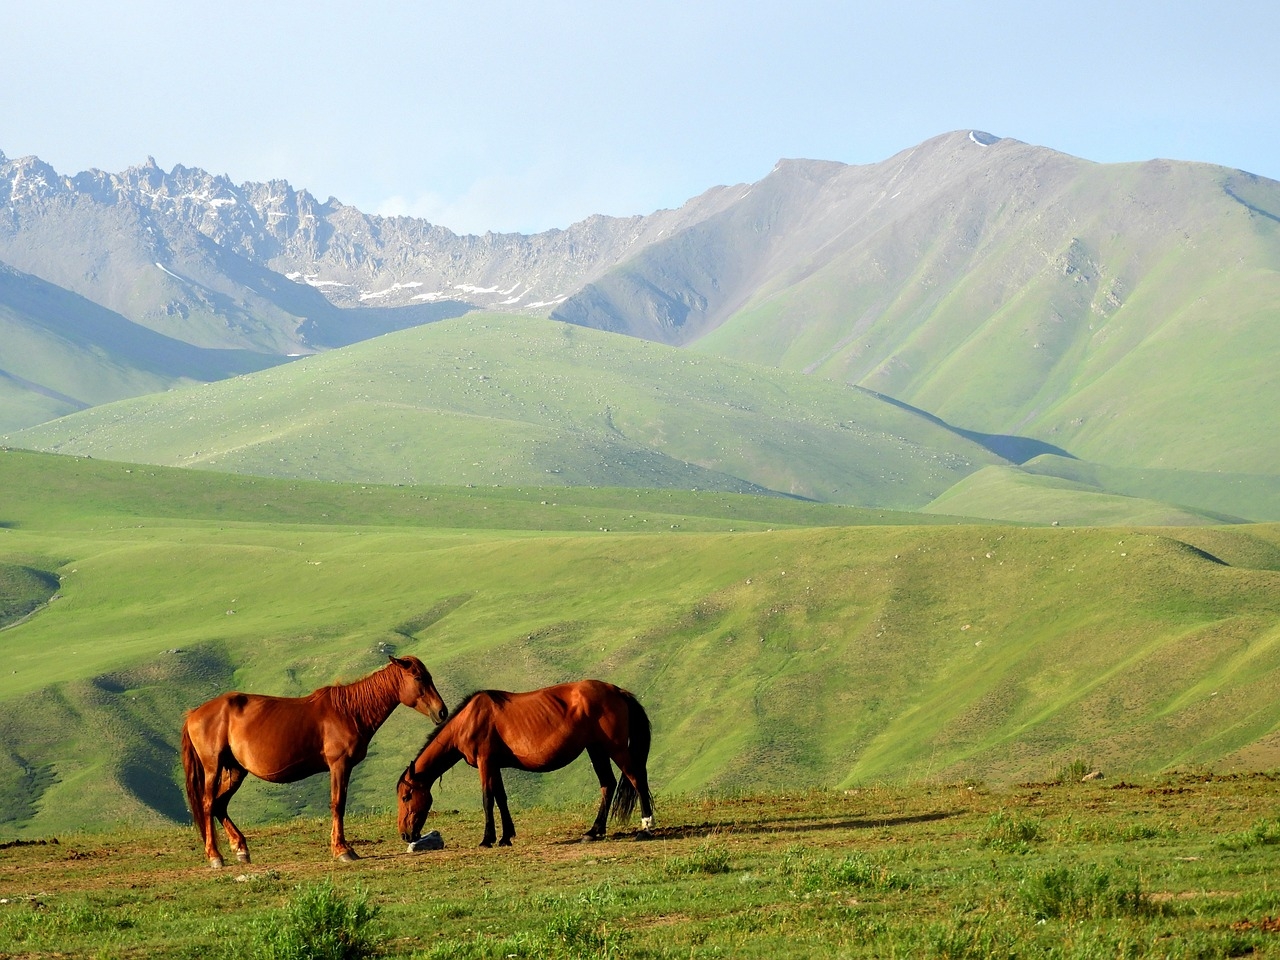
(646,823)
(215,863)
(349,856)
(242,856)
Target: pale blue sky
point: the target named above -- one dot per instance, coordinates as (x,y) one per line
(504,115)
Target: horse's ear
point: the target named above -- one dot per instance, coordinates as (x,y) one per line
(398,662)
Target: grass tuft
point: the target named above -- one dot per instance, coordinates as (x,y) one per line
(1081,893)
(1010,832)
(707,859)
(1261,834)
(318,923)
(817,872)
(1073,772)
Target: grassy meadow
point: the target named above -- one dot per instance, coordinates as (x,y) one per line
(775,643)
(1173,866)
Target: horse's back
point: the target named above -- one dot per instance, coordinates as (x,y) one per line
(274,738)
(565,719)
(597,698)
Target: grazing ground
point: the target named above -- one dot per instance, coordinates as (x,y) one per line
(1179,865)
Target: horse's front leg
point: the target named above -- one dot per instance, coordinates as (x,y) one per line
(339,775)
(500,794)
(493,791)
(486,800)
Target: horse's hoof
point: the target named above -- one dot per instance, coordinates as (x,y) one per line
(215,863)
(591,835)
(486,844)
(349,856)
(504,842)
(242,856)
(643,835)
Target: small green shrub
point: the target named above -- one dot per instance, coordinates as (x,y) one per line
(1261,834)
(972,938)
(1010,832)
(1080,893)
(1073,772)
(1106,831)
(862,872)
(319,923)
(575,934)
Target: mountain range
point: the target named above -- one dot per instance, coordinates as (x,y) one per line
(1105,329)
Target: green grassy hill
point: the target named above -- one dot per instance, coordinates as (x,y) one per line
(1014,494)
(1054,489)
(492,399)
(770,646)
(1255,496)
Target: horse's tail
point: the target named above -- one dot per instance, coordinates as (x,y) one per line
(624,800)
(195,780)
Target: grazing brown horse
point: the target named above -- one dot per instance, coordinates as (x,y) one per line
(540,731)
(283,739)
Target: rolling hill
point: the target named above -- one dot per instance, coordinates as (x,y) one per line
(495,399)
(806,654)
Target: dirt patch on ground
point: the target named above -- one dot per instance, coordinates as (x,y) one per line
(1265,925)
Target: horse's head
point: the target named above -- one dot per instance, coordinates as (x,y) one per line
(417,689)
(415,804)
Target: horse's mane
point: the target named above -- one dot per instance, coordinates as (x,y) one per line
(361,696)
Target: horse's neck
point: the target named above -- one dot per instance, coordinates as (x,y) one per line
(371,700)
(438,756)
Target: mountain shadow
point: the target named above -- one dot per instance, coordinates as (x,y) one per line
(1015,449)
(81,324)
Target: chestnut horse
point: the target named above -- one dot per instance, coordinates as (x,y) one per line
(283,739)
(539,731)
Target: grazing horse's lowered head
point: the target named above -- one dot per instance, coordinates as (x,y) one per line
(538,731)
(414,804)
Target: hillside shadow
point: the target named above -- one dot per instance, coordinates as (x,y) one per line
(1015,449)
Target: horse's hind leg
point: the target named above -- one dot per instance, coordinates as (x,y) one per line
(608,784)
(638,777)
(641,782)
(208,807)
(228,783)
